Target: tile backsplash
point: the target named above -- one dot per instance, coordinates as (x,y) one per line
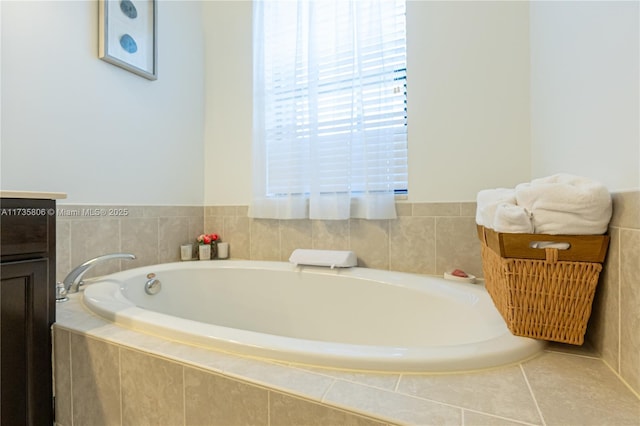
(615,320)
(426,238)
(153,233)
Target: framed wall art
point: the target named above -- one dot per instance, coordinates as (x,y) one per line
(128,35)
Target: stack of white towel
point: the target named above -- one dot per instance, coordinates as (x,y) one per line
(558,204)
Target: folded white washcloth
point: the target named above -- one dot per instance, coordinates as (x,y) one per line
(512,219)
(488,200)
(566,204)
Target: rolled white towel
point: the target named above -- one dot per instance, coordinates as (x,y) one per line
(512,219)
(488,200)
(566,204)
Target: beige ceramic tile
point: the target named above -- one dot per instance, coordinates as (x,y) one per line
(630,307)
(211,360)
(213,225)
(478,419)
(279,377)
(63,249)
(140,237)
(95,237)
(603,330)
(370,242)
(285,410)
(152,390)
(163,211)
(294,234)
(436,209)
(626,209)
(220,211)
(76,212)
(557,386)
(123,211)
(74,317)
(172,232)
(330,234)
(502,392)
(572,390)
(62,375)
(412,245)
(191,211)
(211,399)
(404,209)
(238,234)
(211,211)
(584,350)
(386,381)
(468,209)
(196,225)
(242,211)
(230,210)
(265,239)
(65,212)
(95,386)
(457,245)
(393,406)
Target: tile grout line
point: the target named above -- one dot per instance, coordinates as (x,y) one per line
(535,401)
(184,396)
(268,408)
(396,391)
(120,383)
(619,273)
(389,245)
(70,378)
(435,245)
(621,379)
(396,388)
(326,392)
(520,422)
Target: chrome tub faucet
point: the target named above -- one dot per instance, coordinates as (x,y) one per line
(73,281)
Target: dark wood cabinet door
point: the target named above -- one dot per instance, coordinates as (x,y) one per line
(25,342)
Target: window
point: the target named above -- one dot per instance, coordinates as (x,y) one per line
(330,124)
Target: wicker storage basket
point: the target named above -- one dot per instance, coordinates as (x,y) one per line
(548,298)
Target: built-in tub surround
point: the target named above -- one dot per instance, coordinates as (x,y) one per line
(357,318)
(426,238)
(430,238)
(106,374)
(613,328)
(153,233)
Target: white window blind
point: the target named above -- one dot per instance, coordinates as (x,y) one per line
(330,131)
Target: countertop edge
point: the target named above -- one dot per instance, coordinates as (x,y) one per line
(33,195)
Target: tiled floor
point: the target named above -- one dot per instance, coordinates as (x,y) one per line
(562,386)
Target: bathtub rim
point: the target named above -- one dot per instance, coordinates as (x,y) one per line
(104,298)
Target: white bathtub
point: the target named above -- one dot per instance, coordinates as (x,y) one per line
(353,318)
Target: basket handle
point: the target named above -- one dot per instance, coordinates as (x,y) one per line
(551,254)
(550,248)
(550,244)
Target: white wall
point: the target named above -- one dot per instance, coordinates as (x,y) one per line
(479,115)
(585,90)
(74,123)
(468,101)
(468,98)
(229,94)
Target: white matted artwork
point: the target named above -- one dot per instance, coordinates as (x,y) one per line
(128,31)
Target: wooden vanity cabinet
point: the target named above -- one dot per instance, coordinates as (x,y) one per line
(27,310)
